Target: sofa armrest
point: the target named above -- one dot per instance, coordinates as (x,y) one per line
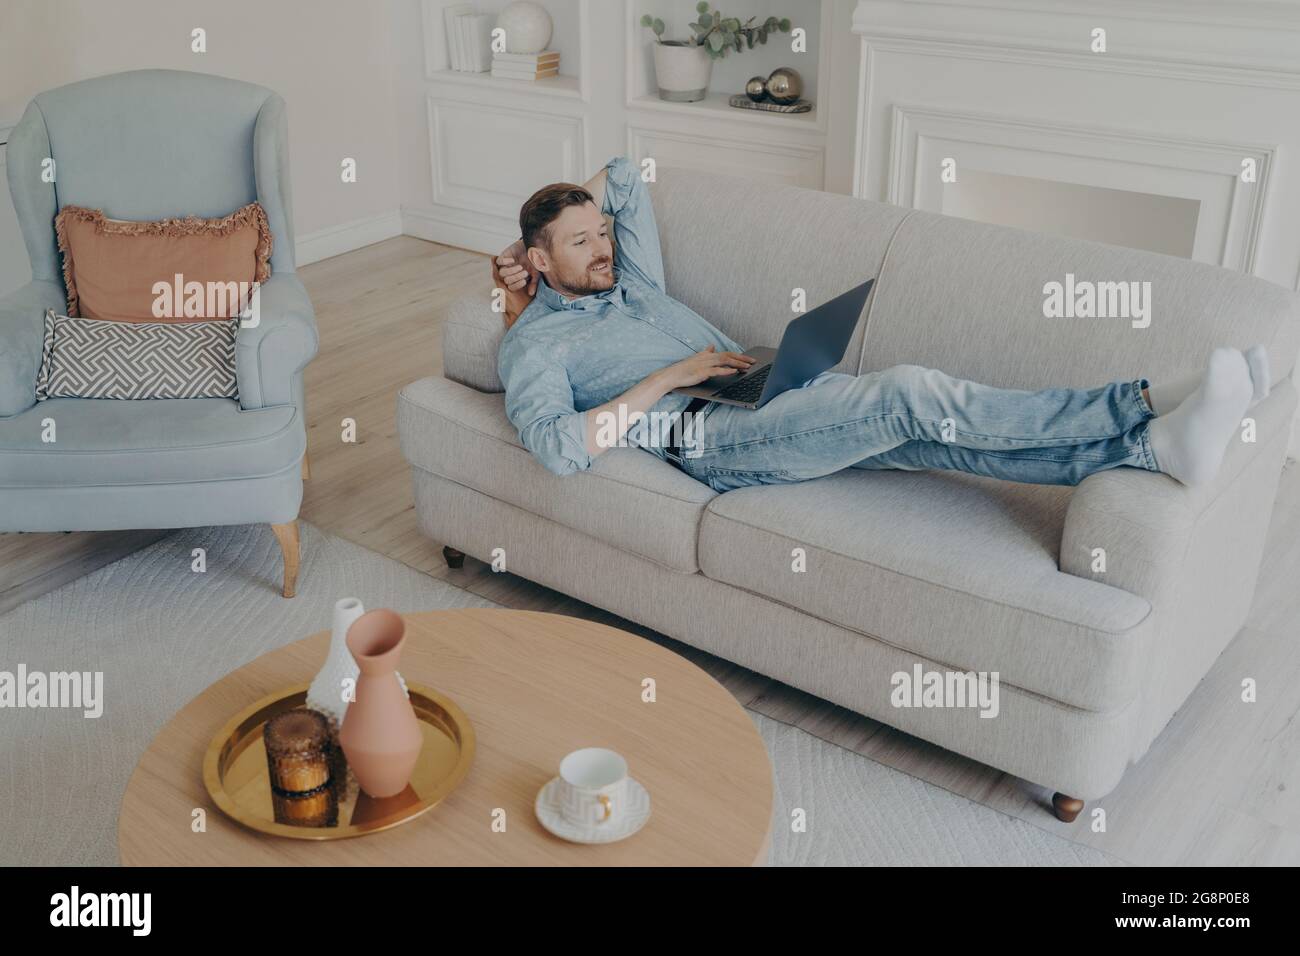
(471,338)
(269,354)
(1145,521)
(22,324)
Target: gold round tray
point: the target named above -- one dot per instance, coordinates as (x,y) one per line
(236,776)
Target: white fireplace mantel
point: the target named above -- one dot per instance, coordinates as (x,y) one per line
(1253,42)
(1185,93)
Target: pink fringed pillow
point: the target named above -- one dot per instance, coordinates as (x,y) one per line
(173,270)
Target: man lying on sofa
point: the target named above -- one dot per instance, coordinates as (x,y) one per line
(595,345)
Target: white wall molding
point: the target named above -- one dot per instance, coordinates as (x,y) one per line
(1148,40)
(939,44)
(792,164)
(558,152)
(452,227)
(1231,212)
(1253,14)
(336,240)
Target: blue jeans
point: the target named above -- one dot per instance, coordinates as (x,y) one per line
(914,418)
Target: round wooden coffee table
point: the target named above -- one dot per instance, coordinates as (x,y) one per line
(535,686)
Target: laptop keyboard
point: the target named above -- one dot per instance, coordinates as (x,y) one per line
(747,390)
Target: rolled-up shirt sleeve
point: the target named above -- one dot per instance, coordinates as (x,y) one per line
(636,235)
(539,403)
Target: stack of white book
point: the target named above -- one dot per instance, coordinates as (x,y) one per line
(526,66)
(469,38)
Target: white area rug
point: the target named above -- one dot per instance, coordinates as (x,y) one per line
(861,813)
(161,633)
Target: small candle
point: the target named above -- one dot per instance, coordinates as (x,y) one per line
(317,809)
(297,751)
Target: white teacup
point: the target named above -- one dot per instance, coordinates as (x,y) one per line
(593,785)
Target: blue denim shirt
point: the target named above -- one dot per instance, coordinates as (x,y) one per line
(565,356)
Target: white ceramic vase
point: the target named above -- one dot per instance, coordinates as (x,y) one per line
(682,72)
(326,691)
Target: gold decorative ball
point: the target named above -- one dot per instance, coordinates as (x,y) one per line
(756,88)
(785,85)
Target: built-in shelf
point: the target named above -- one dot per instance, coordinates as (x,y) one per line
(730,73)
(493,140)
(569,37)
(549,86)
(717,103)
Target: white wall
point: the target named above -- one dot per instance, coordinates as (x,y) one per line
(329,59)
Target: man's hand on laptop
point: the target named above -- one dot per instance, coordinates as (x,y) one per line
(640,397)
(705,365)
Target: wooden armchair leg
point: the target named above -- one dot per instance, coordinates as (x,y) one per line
(306,467)
(287,535)
(1066,808)
(454,558)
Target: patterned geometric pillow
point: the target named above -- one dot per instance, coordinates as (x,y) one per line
(94,358)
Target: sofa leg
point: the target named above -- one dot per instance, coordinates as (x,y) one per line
(306,467)
(287,535)
(454,558)
(1066,808)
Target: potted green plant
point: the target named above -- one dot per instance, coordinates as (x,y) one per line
(683,67)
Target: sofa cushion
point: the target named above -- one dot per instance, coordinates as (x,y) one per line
(957,568)
(111,442)
(628,498)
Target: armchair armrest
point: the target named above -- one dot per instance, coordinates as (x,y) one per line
(22,324)
(268,355)
(1146,521)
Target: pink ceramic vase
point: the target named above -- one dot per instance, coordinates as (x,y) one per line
(380,736)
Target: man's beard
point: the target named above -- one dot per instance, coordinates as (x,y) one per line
(589,283)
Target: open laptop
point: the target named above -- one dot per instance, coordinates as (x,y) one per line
(812,343)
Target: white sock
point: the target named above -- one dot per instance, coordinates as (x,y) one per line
(1166,396)
(1189,442)
(1260,376)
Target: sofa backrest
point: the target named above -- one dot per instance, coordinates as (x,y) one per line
(151,144)
(962,296)
(736,250)
(968,298)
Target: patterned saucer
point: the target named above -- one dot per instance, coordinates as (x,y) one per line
(632,819)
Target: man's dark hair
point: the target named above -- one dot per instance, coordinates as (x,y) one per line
(543,206)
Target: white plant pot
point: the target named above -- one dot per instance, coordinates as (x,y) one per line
(682,72)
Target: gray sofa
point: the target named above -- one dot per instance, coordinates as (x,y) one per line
(949,571)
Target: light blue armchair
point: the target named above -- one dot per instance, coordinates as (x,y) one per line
(145,145)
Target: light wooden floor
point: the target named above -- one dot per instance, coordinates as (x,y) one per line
(1220,786)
